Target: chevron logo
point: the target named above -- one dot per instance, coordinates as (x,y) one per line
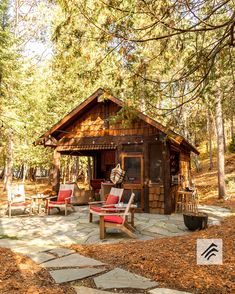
(209,251)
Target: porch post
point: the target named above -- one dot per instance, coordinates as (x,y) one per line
(56,171)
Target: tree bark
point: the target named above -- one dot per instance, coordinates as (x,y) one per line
(9,162)
(209,139)
(220,146)
(232,127)
(25,171)
(56,172)
(224,136)
(89,172)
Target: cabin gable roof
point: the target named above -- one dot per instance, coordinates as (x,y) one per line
(56,129)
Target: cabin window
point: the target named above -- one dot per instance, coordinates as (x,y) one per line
(155,160)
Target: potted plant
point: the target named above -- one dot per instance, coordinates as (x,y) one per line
(195,220)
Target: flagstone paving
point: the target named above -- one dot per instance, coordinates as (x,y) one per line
(40,238)
(72,274)
(61,251)
(74,228)
(166,291)
(86,290)
(121,279)
(40,257)
(73,260)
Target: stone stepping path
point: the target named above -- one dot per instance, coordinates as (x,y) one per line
(121,279)
(68,275)
(73,260)
(40,257)
(166,291)
(86,290)
(61,251)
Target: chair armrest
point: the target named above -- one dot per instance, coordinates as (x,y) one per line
(51,197)
(108,205)
(112,209)
(67,199)
(111,214)
(96,202)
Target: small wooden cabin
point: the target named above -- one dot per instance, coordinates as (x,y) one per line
(155,158)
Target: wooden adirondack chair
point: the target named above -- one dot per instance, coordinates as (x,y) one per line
(113,198)
(63,200)
(117,220)
(17,199)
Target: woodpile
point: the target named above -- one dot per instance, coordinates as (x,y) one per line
(156,198)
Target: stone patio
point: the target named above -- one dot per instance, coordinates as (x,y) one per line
(56,229)
(40,238)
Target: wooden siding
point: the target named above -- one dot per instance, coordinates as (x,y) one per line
(156,198)
(93,123)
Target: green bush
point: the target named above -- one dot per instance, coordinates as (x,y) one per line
(231,146)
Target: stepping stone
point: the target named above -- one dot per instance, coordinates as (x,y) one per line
(166,291)
(72,261)
(119,278)
(86,290)
(40,257)
(61,251)
(68,275)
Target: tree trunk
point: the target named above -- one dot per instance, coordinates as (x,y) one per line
(209,139)
(9,162)
(25,171)
(56,172)
(220,145)
(2,173)
(196,162)
(32,174)
(232,127)
(89,172)
(76,170)
(224,136)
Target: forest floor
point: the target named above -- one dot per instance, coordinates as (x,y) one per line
(170,261)
(206,182)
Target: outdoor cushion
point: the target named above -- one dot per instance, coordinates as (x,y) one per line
(113,219)
(56,202)
(19,204)
(96,208)
(111,199)
(63,194)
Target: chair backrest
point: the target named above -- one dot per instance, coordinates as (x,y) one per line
(116,192)
(63,194)
(131,200)
(67,187)
(114,196)
(16,193)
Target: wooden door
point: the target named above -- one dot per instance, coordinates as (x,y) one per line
(134,178)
